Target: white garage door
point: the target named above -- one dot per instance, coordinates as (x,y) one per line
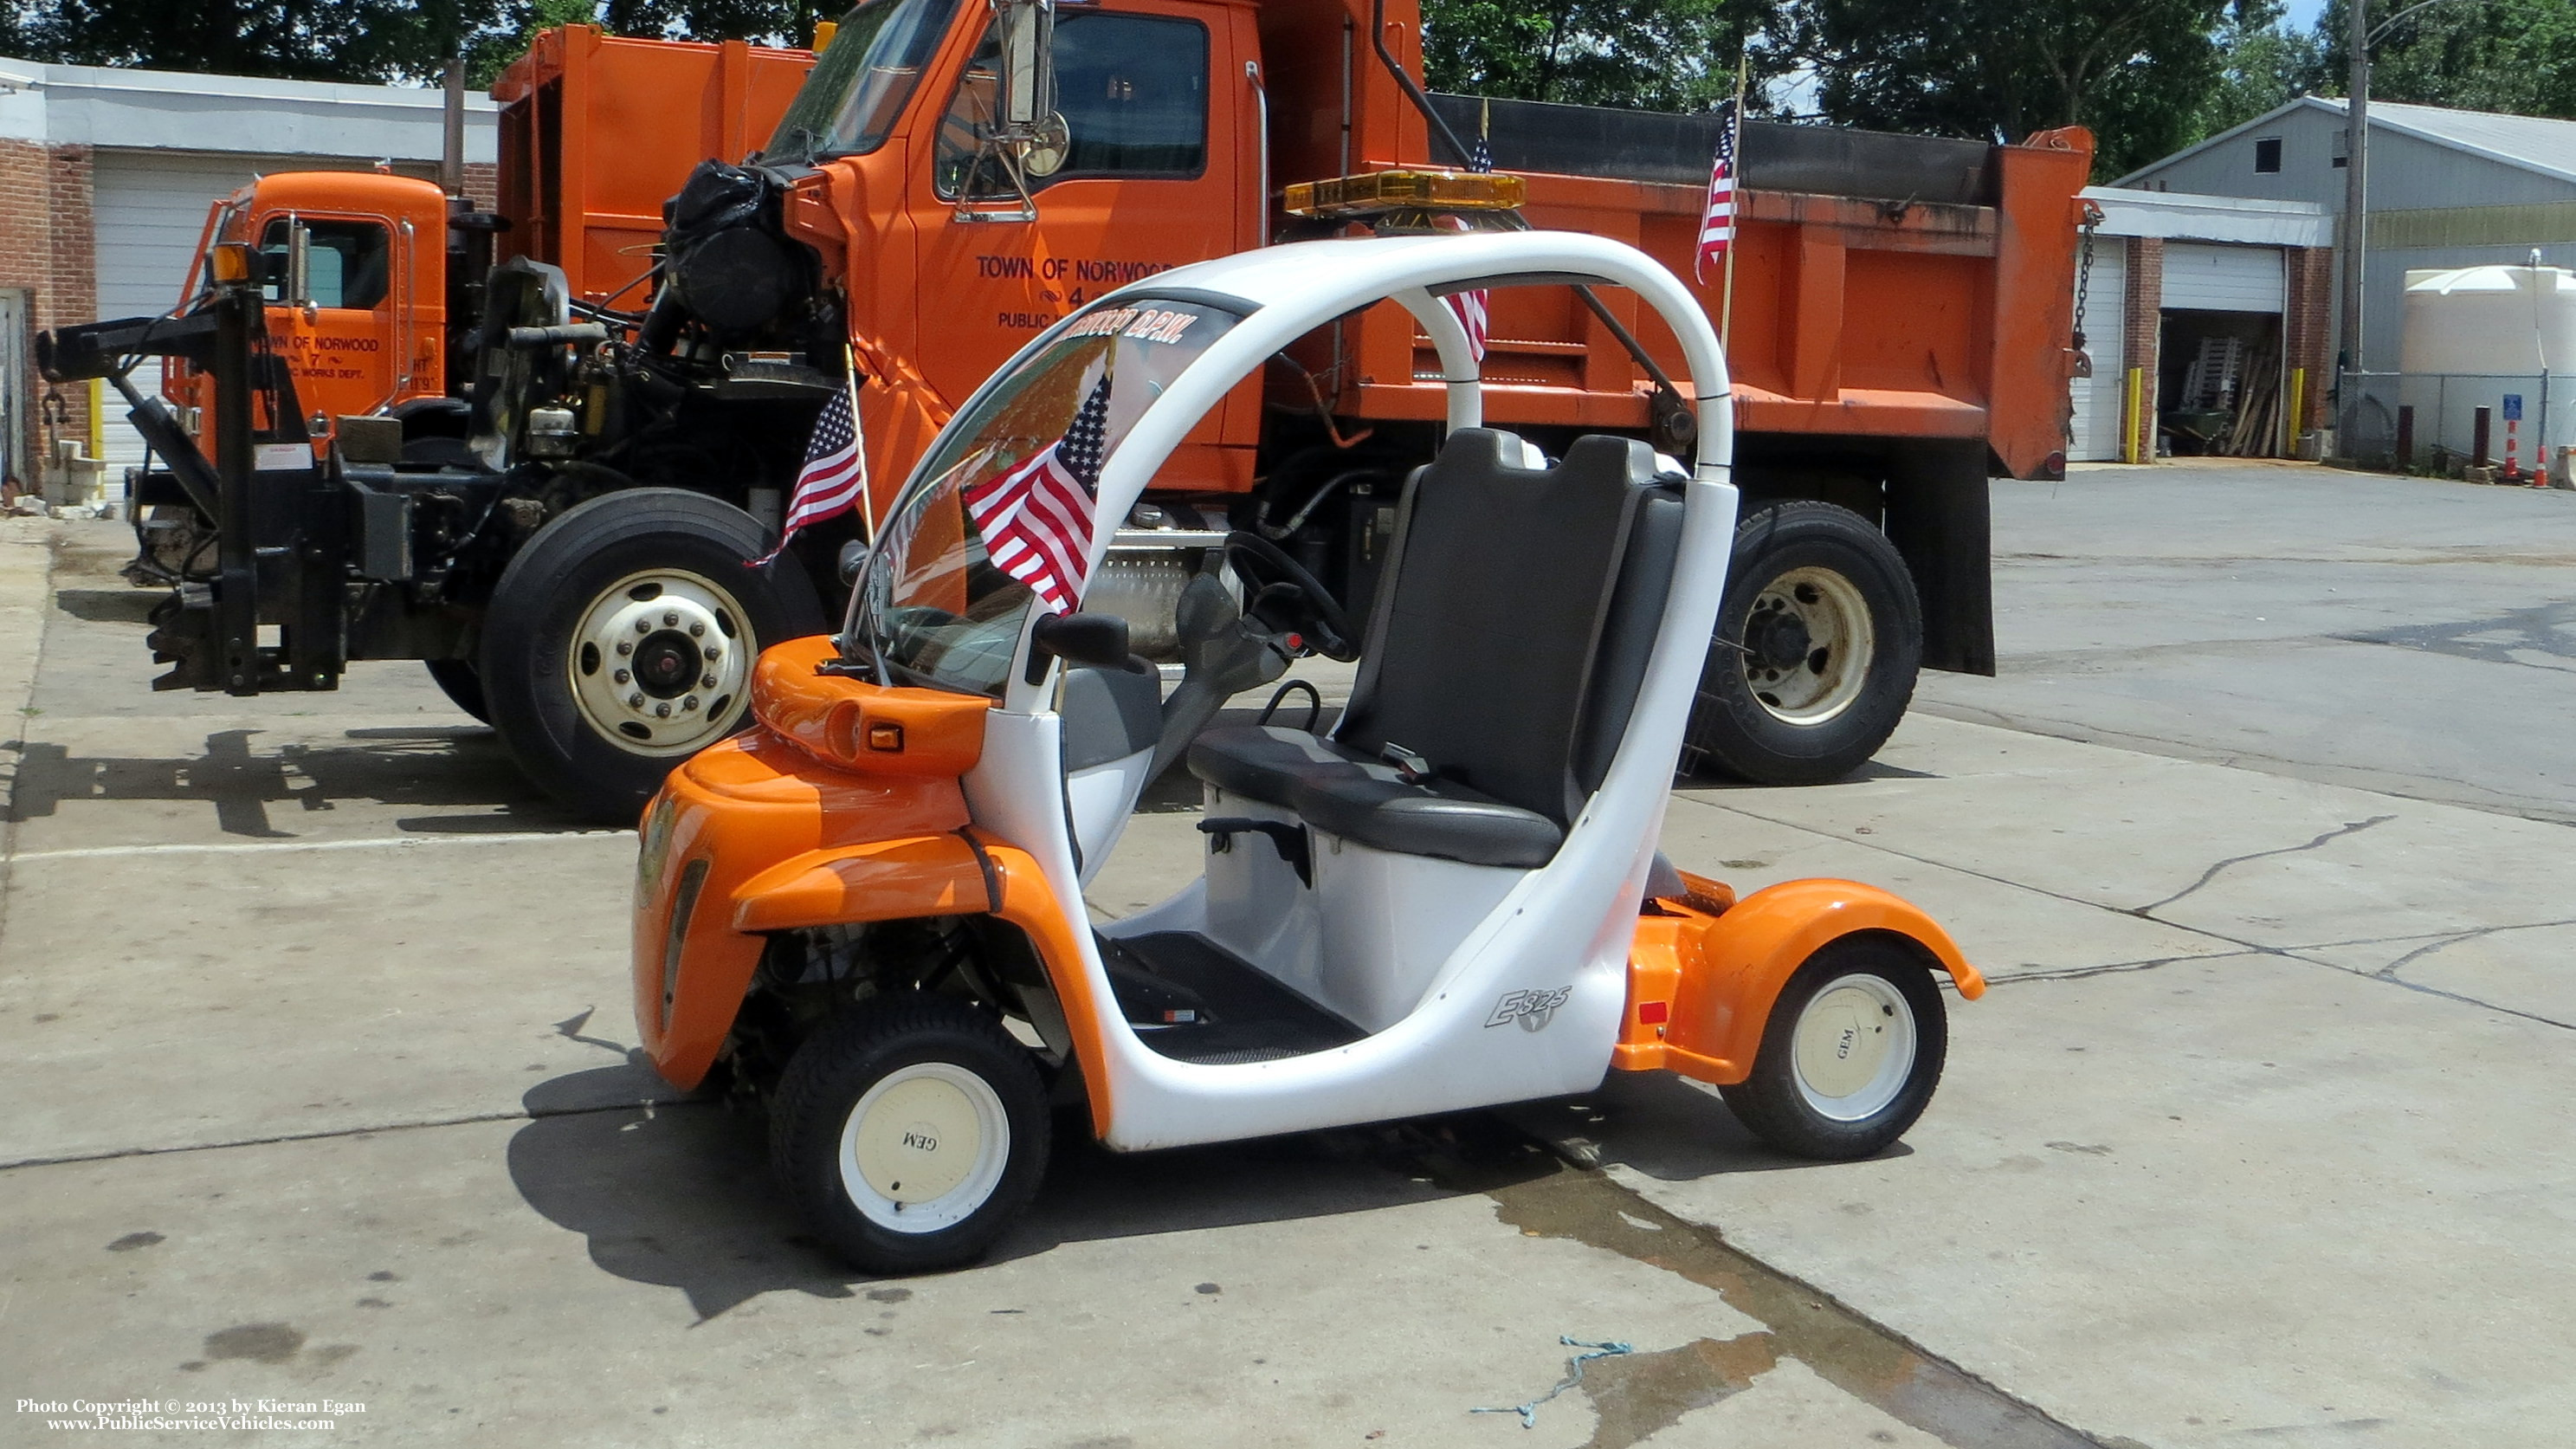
(2223,279)
(150,207)
(2097,398)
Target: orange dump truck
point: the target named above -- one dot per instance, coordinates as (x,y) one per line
(952,177)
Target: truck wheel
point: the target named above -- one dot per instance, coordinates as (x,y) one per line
(1850,1055)
(1817,647)
(456,679)
(620,641)
(909,1132)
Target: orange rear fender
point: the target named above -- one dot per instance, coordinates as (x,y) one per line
(1701,984)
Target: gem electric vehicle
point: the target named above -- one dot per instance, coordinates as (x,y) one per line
(869,908)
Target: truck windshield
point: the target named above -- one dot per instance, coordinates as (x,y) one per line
(850,101)
(999,517)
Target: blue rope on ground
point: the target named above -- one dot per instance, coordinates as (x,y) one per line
(1574,1375)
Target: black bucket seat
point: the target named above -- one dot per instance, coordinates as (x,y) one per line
(1504,658)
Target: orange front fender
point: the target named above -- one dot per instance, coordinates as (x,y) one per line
(1701,983)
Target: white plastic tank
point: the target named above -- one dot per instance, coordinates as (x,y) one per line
(2483,337)
(2495,320)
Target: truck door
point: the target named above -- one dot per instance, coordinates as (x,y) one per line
(1145,182)
(346,348)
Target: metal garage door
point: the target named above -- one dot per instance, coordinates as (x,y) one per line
(2097,398)
(150,207)
(2223,279)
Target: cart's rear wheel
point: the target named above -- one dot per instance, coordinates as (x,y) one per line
(1851,1053)
(908,1133)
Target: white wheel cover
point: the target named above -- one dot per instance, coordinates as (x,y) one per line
(659,662)
(924,1148)
(1853,1047)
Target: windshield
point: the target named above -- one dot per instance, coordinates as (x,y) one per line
(850,100)
(999,517)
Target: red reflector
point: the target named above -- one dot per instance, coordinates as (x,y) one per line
(1296,641)
(1651,1013)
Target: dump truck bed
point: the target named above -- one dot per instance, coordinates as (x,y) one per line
(1885,286)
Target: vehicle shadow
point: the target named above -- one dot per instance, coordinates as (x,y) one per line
(1666,1126)
(680,1195)
(428,766)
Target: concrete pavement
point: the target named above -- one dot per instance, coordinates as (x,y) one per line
(314,1024)
(2407,635)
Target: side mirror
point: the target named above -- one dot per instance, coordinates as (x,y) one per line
(299,264)
(1028,68)
(1095,639)
(854,557)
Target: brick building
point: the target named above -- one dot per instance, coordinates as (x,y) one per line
(2206,318)
(105,181)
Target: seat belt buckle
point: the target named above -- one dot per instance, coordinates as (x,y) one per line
(1411,768)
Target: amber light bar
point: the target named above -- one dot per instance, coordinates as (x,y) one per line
(1377,191)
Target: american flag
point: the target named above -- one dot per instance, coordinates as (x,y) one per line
(1717,219)
(1472,308)
(835,474)
(1036,518)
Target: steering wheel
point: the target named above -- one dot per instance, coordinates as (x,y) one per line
(1280,593)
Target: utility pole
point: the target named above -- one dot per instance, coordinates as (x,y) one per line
(2356,169)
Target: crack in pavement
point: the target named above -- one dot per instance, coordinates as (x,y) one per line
(647,1104)
(2487,801)
(2389,971)
(2349,827)
(2243,947)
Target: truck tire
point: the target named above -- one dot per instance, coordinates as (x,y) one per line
(1817,646)
(620,641)
(457,680)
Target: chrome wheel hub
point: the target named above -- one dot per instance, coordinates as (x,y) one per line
(659,661)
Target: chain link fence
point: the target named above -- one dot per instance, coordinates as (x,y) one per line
(2430,421)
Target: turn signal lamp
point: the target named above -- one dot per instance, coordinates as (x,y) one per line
(229,261)
(1380,191)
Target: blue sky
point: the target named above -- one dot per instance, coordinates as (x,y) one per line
(2303,13)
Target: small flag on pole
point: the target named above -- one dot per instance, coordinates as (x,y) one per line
(835,475)
(1717,218)
(1473,309)
(1036,518)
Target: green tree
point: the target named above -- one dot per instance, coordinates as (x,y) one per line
(1663,55)
(364,40)
(2263,64)
(2516,56)
(2135,71)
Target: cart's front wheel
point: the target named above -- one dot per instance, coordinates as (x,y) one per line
(908,1133)
(1850,1055)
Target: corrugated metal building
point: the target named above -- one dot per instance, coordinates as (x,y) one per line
(2447,189)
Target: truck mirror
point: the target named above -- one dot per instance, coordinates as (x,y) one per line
(299,265)
(1028,69)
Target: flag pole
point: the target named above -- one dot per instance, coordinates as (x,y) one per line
(1735,119)
(859,445)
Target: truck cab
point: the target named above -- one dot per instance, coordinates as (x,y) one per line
(356,281)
